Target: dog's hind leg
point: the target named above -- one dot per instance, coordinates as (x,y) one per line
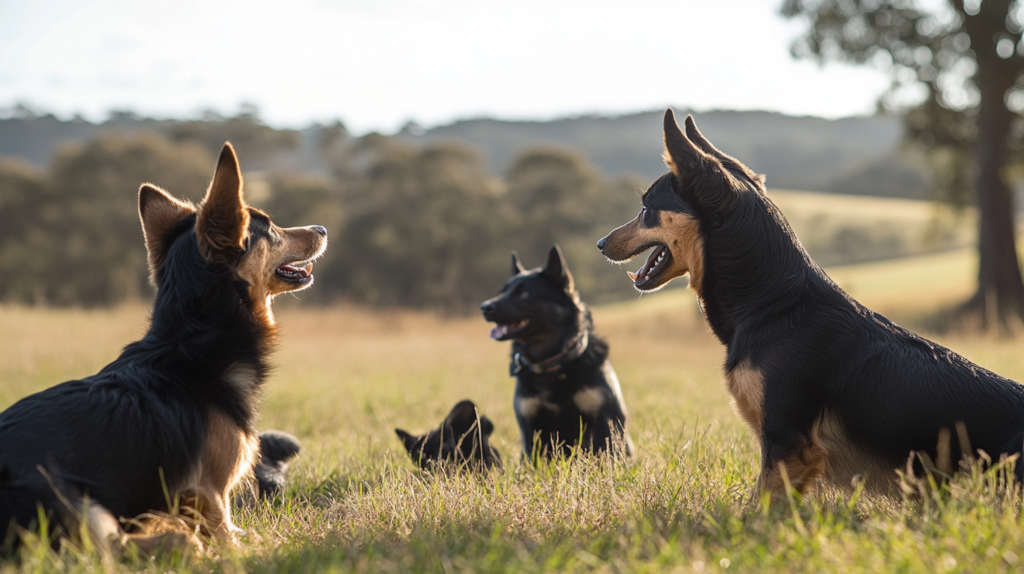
(1014,446)
(802,464)
(74,517)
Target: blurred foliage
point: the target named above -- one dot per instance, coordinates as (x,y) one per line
(72,235)
(958,72)
(932,62)
(251,138)
(409,226)
(425,225)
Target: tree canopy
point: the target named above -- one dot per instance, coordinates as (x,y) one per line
(956,71)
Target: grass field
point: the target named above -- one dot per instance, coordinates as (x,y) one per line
(844,229)
(346,377)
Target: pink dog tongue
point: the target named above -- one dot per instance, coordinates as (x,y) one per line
(499,331)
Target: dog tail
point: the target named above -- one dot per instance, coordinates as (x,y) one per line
(277,449)
(30,501)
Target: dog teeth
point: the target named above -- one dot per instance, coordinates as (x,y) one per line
(632,276)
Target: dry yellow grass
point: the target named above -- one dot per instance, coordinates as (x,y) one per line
(809,204)
(346,377)
(847,228)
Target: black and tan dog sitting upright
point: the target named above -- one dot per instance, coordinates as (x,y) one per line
(831,389)
(567,394)
(462,441)
(172,419)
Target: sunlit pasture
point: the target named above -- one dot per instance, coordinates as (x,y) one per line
(346,377)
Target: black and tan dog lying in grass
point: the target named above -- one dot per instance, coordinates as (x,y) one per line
(831,389)
(462,441)
(567,394)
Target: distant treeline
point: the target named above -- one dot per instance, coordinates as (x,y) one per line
(861,155)
(413,222)
(420,226)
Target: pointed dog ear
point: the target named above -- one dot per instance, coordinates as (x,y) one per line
(408,440)
(693,134)
(159,212)
(223,218)
(461,419)
(681,156)
(727,161)
(517,266)
(557,270)
(711,184)
(486,426)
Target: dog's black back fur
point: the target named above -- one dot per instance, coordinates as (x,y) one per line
(567,393)
(145,402)
(463,439)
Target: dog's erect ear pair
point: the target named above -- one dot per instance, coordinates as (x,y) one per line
(556,271)
(462,418)
(222,218)
(407,439)
(517,266)
(693,160)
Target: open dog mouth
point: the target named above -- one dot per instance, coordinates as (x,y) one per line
(503,331)
(657,262)
(295,272)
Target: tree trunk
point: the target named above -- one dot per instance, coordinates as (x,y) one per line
(999,301)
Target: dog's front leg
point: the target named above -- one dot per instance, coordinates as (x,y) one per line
(215,508)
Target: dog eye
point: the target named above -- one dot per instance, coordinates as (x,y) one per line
(523,295)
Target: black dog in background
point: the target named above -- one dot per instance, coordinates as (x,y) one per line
(461,439)
(277,449)
(567,393)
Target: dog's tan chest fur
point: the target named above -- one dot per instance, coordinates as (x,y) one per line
(229,452)
(589,401)
(745,385)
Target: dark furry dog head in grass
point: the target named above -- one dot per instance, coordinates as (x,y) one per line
(567,394)
(831,390)
(463,439)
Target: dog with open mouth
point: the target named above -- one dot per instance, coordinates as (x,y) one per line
(172,420)
(832,391)
(567,393)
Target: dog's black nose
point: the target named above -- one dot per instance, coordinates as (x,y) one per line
(321,230)
(601,242)
(486,306)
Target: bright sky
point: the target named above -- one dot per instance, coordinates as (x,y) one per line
(376,64)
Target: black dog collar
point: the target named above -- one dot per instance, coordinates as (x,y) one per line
(551,364)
